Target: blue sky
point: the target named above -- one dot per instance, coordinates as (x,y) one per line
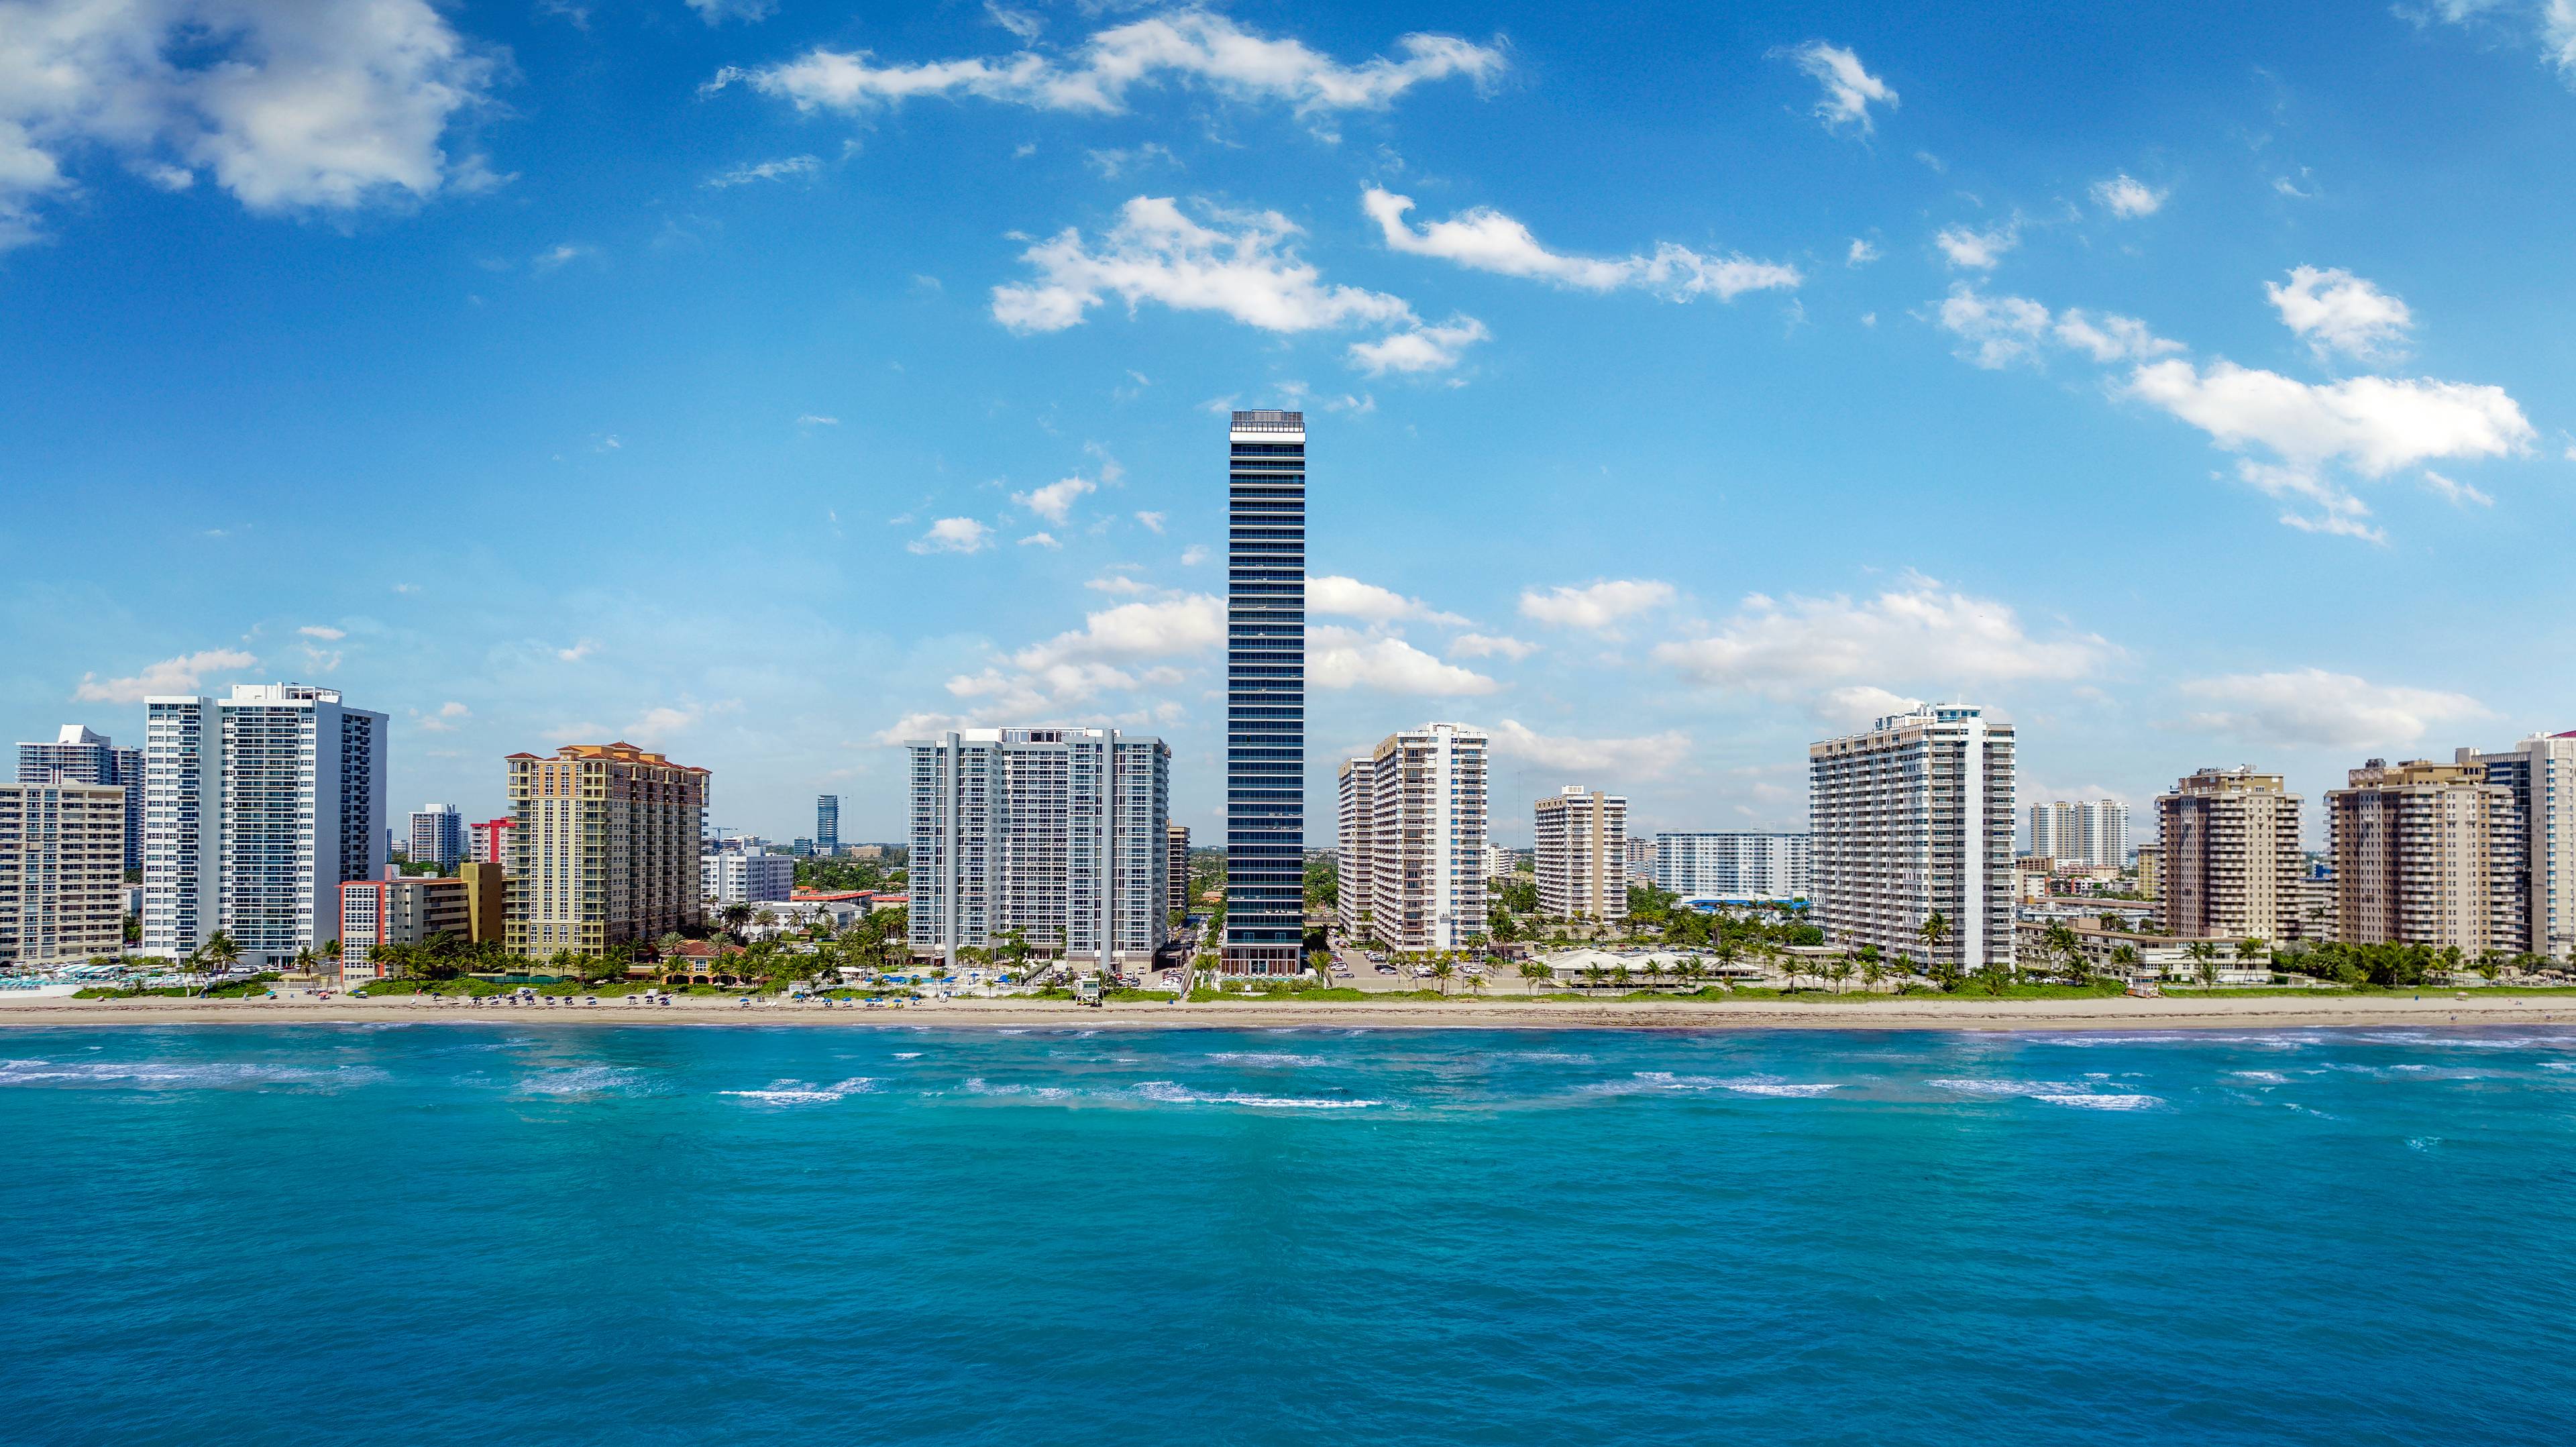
(762,382)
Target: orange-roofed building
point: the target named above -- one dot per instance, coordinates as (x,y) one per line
(602,848)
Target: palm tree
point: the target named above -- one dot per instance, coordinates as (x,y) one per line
(2204,957)
(1871,969)
(2061,942)
(1441,970)
(1476,984)
(1934,929)
(1531,973)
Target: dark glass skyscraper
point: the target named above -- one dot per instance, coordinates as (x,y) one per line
(1265,687)
(827,824)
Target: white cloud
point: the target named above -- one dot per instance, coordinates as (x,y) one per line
(559,255)
(2336,311)
(2126,196)
(1021,23)
(2457,494)
(1184,46)
(449,716)
(2554,23)
(2337,512)
(2113,339)
(1850,90)
(1423,349)
(1597,606)
(1490,645)
(1916,630)
(1338,657)
(1861,253)
(1993,332)
(1242,266)
(1054,502)
(288,104)
(327,635)
(1079,666)
(1483,239)
(1857,706)
(2375,425)
(716,12)
(1040,540)
(579,651)
(1647,757)
(662,720)
(321,660)
(778,170)
(169,676)
(953,535)
(1978,250)
(1195,554)
(1351,598)
(1153,521)
(816,419)
(2311,708)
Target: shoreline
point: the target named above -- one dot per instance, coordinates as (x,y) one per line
(1914,1012)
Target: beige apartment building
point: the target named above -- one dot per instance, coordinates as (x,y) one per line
(2231,866)
(2424,855)
(62,873)
(603,848)
(1583,855)
(1914,818)
(1412,839)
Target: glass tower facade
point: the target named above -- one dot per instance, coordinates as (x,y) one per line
(1265,667)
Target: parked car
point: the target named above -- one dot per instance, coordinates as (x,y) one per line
(1386,969)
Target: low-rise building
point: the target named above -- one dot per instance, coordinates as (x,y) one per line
(2155,956)
(1732,866)
(379,912)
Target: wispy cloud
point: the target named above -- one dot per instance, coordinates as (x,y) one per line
(178,675)
(1849,89)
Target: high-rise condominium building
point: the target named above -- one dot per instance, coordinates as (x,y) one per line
(1413,819)
(1911,819)
(379,912)
(77,756)
(1177,866)
(2426,854)
(2093,833)
(1265,682)
(1583,855)
(603,848)
(62,872)
(256,809)
(827,824)
(437,835)
(1060,834)
(1734,867)
(739,877)
(489,841)
(2231,860)
(2540,773)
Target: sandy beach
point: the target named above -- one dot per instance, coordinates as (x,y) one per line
(1888,1013)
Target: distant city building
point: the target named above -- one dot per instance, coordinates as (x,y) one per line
(1734,865)
(738,878)
(1062,834)
(604,846)
(489,841)
(1641,854)
(437,835)
(2232,862)
(376,913)
(2150,871)
(1915,818)
(1496,862)
(2426,854)
(1265,627)
(77,756)
(1583,855)
(1177,867)
(257,808)
(827,824)
(2319,909)
(62,872)
(2088,832)
(2540,773)
(1412,830)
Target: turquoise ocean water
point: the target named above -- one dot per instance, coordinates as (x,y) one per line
(439,1234)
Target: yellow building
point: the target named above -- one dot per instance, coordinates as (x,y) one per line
(603,848)
(2424,854)
(62,872)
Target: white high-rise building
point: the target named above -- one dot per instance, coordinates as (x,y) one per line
(437,835)
(1061,834)
(1583,855)
(1412,841)
(2091,833)
(77,756)
(1734,866)
(256,808)
(2541,773)
(739,877)
(1911,819)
